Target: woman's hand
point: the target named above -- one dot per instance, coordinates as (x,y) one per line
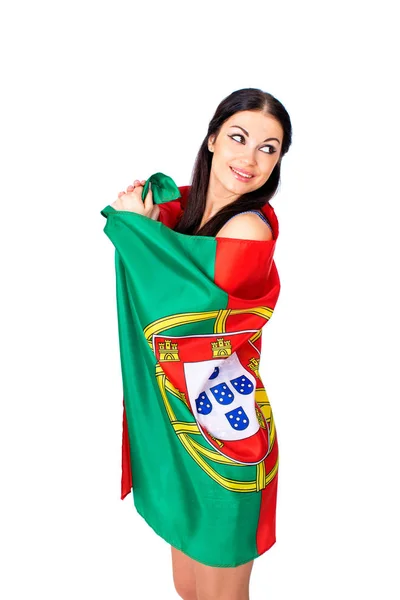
(131,201)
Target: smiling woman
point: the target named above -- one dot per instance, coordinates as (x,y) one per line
(195,287)
(240,165)
(237,168)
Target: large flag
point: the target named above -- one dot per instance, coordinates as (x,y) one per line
(200,448)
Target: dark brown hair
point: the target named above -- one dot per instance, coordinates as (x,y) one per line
(244,99)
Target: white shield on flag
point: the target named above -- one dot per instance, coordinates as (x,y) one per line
(222,397)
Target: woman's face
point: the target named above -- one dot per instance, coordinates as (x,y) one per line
(249,142)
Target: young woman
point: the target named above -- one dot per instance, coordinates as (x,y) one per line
(236,173)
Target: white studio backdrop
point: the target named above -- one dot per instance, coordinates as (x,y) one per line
(98,94)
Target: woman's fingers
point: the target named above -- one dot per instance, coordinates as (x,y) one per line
(135,184)
(148,201)
(131,199)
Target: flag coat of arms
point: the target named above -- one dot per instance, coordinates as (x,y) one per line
(199,447)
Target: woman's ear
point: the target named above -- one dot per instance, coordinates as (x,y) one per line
(211,141)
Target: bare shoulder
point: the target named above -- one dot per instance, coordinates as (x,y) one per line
(247,226)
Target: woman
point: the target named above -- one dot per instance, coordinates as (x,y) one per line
(236,173)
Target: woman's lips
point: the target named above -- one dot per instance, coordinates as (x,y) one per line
(241,177)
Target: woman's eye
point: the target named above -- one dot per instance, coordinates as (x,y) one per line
(236,135)
(270,149)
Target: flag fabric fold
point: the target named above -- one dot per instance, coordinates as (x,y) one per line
(200,448)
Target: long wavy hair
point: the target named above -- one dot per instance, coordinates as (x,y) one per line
(244,99)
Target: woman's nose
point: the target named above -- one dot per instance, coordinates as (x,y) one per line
(249,155)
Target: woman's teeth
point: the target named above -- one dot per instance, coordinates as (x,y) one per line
(241,174)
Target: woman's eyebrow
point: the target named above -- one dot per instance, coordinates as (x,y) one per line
(267,140)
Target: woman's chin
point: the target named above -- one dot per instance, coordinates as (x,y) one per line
(239,187)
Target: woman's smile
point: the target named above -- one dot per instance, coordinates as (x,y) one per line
(241,175)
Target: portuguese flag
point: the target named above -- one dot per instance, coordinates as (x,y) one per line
(200,448)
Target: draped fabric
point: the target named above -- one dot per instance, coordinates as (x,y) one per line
(200,447)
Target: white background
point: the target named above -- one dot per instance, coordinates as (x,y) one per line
(95,95)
